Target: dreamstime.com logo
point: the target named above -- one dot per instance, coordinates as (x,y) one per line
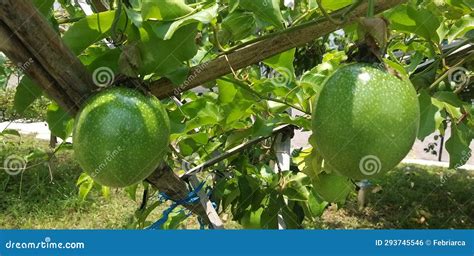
(186,166)
(110,156)
(282,76)
(46,244)
(466,155)
(370,165)
(25,65)
(458,77)
(14,165)
(103,76)
(199,69)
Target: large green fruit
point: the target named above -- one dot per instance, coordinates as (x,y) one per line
(120,136)
(365,121)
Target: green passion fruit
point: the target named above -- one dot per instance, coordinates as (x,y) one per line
(365,121)
(120,136)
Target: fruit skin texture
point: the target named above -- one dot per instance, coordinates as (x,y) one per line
(120,136)
(365,121)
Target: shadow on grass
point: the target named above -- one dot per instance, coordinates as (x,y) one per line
(412,197)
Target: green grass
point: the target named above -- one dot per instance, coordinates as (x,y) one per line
(411,197)
(408,197)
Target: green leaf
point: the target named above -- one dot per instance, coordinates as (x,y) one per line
(417,20)
(426,77)
(430,116)
(37,154)
(333,188)
(449,97)
(59,121)
(26,93)
(268,10)
(85,184)
(458,145)
(166,30)
(105,192)
(10,132)
(175,219)
(461,27)
(132,191)
(178,76)
(163,57)
(164,9)
(283,63)
(296,189)
(332,5)
(45,7)
(227,91)
(191,143)
(269,217)
(315,206)
(237,26)
(91,29)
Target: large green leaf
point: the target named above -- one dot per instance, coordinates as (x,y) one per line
(430,117)
(283,63)
(166,30)
(296,189)
(458,145)
(332,188)
(59,121)
(461,27)
(417,20)
(26,93)
(164,9)
(91,29)
(163,57)
(237,26)
(268,10)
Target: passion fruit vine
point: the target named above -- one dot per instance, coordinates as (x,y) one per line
(120,136)
(365,121)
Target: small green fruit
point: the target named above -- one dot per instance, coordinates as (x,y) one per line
(120,136)
(365,121)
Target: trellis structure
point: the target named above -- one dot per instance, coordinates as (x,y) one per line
(25,36)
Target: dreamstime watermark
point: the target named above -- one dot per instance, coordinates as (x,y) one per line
(282,76)
(103,76)
(184,86)
(370,165)
(46,244)
(109,158)
(14,165)
(458,77)
(25,65)
(187,166)
(466,155)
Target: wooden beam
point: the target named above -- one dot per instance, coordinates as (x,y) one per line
(261,50)
(47,48)
(14,49)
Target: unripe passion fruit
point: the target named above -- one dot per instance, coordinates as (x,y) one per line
(120,136)
(365,121)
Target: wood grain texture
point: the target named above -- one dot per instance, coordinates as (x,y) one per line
(47,48)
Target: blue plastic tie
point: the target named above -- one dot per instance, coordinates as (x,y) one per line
(190,199)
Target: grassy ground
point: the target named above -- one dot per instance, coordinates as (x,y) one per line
(409,197)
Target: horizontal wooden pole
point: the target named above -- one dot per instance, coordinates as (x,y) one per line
(261,50)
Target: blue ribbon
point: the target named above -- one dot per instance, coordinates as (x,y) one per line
(190,199)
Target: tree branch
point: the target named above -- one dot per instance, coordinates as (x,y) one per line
(261,50)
